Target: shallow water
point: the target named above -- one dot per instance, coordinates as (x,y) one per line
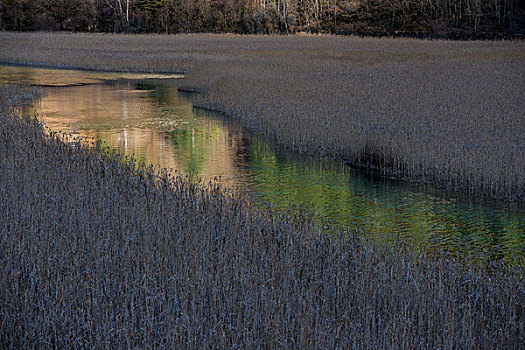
(68,77)
(150,119)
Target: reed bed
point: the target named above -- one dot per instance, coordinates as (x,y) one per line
(98,252)
(446,113)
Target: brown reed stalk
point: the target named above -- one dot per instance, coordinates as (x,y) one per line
(446,113)
(97,252)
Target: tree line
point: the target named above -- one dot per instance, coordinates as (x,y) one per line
(417,18)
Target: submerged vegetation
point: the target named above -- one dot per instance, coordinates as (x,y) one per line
(96,251)
(446,113)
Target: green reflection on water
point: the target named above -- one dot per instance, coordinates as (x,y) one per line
(150,120)
(423,216)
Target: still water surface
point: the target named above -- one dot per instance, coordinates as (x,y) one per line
(146,116)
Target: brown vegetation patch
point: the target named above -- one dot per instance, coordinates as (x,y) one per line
(98,252)
(446,113)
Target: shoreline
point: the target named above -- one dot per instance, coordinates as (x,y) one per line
(229,70)
(121,258)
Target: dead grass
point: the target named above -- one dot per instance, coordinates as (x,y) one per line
(446,113)
(96,252)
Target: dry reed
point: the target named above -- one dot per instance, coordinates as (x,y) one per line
(446,113)
(96,252)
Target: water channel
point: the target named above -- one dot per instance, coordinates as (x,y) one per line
(146,116)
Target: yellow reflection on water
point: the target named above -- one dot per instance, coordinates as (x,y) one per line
(150,122)
(65,77)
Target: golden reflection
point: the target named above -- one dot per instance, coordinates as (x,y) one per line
(65,77)
(150,122)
